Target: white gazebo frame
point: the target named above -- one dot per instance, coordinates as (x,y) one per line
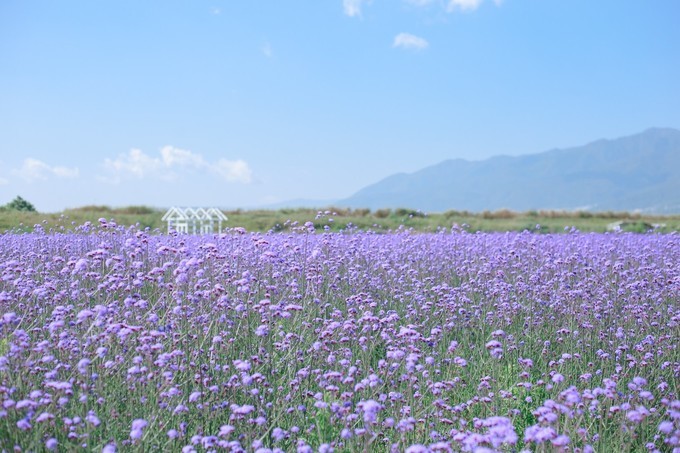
(194,220)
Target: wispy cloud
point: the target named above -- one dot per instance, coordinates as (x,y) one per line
(170,164)
(453,5)
(267,50)
(352,8)
(463,5)
(409,41)
(3,181)
(215,11)
(36,170)
(419,2)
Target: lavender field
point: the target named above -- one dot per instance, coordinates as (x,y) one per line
(115,339)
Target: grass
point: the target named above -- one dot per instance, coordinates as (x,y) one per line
(338,219)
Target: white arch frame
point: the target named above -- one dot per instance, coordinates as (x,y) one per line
(194,220)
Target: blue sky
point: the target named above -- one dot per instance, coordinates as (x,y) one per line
(239,103)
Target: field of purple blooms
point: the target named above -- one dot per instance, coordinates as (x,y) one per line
(115,339)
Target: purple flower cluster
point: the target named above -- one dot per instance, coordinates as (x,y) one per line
(115,339)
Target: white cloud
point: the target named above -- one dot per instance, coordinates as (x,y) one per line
(409,41)
(135,162)
(172,156)
(352,8)
(65,172)
(37,170)
(463,5)
(171,163)
(234,170)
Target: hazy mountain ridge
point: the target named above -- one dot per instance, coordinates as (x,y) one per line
(638,172)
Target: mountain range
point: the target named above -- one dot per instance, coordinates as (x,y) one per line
(636,173)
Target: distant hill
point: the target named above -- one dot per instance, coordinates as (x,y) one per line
(297,203)
(636,173)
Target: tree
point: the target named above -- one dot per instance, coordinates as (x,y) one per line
(19,204)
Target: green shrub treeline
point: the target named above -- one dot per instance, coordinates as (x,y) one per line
(20,217)
(19,204)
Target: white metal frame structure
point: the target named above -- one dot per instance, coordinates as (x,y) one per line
(194,220)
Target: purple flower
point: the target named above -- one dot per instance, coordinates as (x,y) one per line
(493,344)
(646,395)
(666,427)
(66,386)
(44,417)
(406,424)
(84,314)
(278,434)
(9,317)
(138,426)
(93,419)
(560,441)
(370,409)
(262,330)
(461,362)
(24,404)
(179,409)
(539,434)
(242,410)
(80,266)
(51,443)
(82,365)
(304,448)
(139,423)
(207,442)
(23,424)
(638,414)
(242,365)
(639,381)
